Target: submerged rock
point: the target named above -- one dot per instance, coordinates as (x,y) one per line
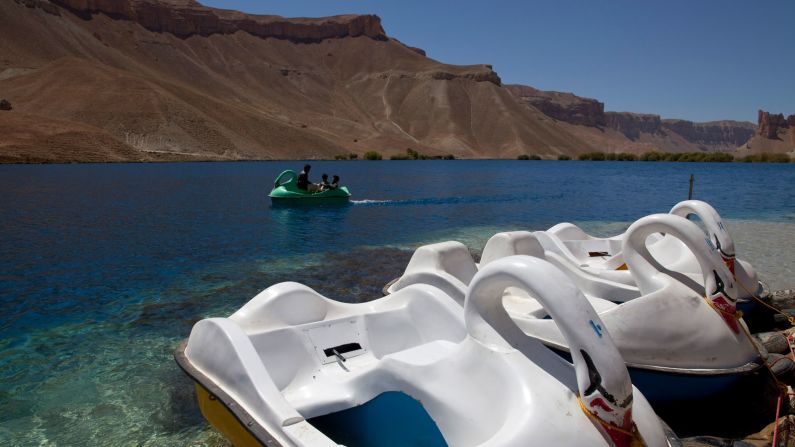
(5,105)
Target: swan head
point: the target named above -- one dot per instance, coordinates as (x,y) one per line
(721,292)
(716,230)
(720,289)
(605,390)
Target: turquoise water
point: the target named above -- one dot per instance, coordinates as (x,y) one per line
(104,268)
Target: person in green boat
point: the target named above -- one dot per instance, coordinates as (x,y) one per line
(324,184)
(335,182)
(303,178)
(303,181)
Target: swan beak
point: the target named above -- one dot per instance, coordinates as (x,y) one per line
(613,421)
(729,263)
(727,311)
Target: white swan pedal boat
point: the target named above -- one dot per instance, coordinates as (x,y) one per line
(678,344)
(290,357)
(604,258)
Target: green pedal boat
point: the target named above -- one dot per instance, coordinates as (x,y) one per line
(285,190)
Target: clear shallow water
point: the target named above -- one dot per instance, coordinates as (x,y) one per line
(104,268)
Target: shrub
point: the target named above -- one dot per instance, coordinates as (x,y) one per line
(372,155)
(593,156)
(353,156)
(652,156)
(623,156)
(721,157)
(341,157)
(564,157)
(411,154)
(523,157)
(766,157)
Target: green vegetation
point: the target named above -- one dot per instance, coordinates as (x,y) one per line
(660,156)
(766,158)
(721,157)
(593,156)
(713,157)
(411,154)
(350,156)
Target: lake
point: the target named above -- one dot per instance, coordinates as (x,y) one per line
(104,268)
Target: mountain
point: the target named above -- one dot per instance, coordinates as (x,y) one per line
(143,80)
(632,132)
(174,80)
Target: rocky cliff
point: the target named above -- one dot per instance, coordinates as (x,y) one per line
(768,124)
(733,133)
(633,124)
(185,18)
(562,106)
(774,133)
(628,131)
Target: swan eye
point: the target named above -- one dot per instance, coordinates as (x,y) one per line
(596,384)
(719,286)
(593,375)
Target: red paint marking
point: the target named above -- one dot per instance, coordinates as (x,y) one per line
(729,263)
(727,312)
(601,404)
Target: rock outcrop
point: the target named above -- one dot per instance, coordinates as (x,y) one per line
(769,124)
(485,75)
(185,18)
(633,124)
(733,133)
(44,5)
(5,105)
(562,106)
(662,134)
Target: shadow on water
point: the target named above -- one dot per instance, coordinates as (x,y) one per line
(353,277)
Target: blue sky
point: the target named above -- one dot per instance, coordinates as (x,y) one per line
(700,60)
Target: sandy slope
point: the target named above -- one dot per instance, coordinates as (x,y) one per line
(238,96)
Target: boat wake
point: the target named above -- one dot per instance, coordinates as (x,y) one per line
(372,202)
(442,200)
